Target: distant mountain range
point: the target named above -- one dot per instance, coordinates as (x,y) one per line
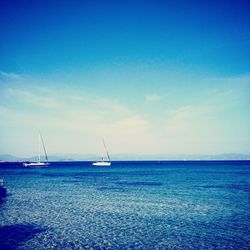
(125,157)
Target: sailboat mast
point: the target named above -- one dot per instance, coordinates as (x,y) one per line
(39,148)
(44,148)
(106,149)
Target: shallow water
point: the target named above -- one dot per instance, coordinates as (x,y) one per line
(130,205)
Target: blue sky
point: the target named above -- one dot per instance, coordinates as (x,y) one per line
(149,76)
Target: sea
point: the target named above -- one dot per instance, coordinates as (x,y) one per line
(130,205)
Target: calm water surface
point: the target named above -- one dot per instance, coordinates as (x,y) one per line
(130,205)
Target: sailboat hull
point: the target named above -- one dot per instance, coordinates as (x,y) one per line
(101,163)
(36,165)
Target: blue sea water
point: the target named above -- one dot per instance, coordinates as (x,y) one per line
(130,205)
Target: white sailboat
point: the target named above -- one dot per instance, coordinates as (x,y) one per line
(39,164)
(103,163)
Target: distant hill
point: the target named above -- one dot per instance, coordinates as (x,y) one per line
(229,156)
(7,157)
(120,157)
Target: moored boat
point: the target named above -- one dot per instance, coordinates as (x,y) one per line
(103,163)
(39,164)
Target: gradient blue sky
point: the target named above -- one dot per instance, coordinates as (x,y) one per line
(149,76)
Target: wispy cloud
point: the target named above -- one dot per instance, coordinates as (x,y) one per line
(234,79)
(153,97)
(109,104)
(179,120)
(79,98)
(34,99)
(11,75)
(75,112)
(134,124)
(90,106)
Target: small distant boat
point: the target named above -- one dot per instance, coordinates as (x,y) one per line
(38,164)
(103,163)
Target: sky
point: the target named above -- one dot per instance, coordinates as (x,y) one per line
(151,77)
